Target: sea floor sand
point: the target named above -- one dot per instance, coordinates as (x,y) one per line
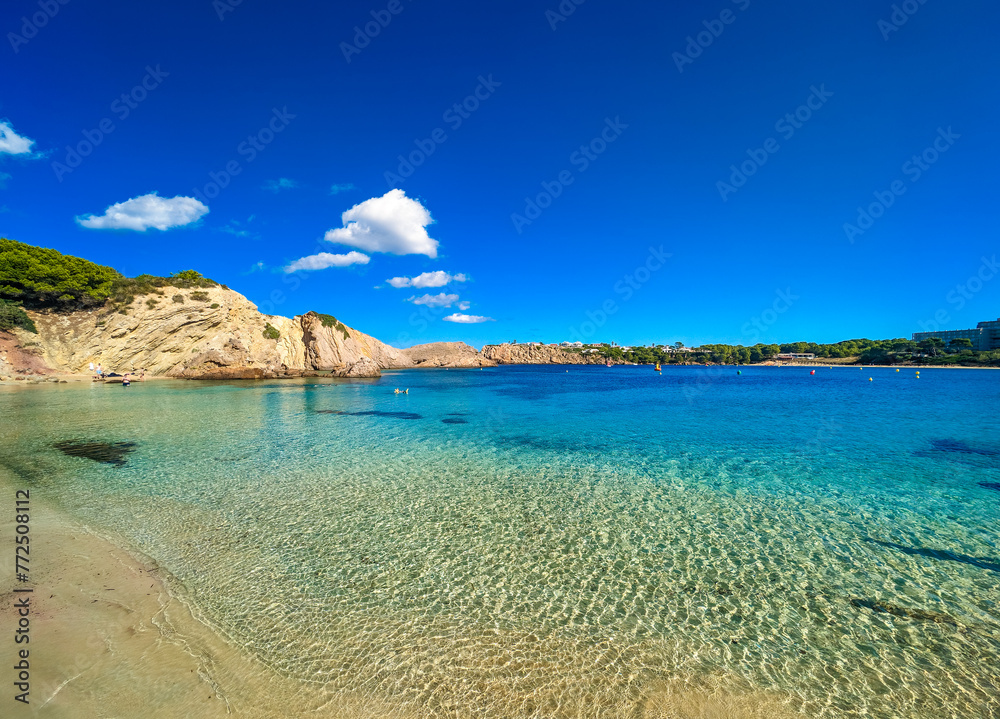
(109,639)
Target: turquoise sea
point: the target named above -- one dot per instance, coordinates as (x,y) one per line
(531,541)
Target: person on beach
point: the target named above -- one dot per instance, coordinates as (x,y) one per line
(92,369)
(142,374)
(100,371)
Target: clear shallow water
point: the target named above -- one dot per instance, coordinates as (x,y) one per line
(527,541)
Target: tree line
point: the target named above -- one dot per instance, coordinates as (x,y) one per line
(881,352)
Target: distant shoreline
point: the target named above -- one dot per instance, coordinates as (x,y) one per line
(70,378)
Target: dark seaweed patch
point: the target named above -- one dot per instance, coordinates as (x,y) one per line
(922,615)
(955,450)
(373,413)
(952,445)
(113,453)
(454,420)
(981,562)
(995,486)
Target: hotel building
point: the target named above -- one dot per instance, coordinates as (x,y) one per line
(985,337)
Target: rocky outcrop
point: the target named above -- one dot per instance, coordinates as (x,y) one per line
(446,354)
(218,334)
(212,333)
(19,358)
(537,354)
(364,367)
(333,347)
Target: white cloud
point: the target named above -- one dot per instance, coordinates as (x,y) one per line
(441,300)
(467,319)
(464,305)
(393,223)
(427,279)
(282,183)
(141,213)
(343,187)
(326,259)
(11,143)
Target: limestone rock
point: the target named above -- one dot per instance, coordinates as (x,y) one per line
(364,367)
(537,354)
(218,337)
(330,348)
(446,354)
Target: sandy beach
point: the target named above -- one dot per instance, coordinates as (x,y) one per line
(107,638)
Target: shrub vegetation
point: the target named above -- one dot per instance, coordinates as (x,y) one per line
(331,321)
(11,316)
(41,277)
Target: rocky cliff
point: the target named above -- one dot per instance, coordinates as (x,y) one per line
(536,354)
(214,333)
(446,354)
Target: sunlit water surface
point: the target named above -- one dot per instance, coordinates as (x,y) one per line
(527,541)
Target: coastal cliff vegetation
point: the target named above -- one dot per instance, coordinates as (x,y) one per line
(13,315)
(331,321)
(40,278)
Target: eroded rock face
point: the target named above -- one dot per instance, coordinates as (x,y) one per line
(220,336)
(446,354)
(329,348)
(364,367)
(20,355)
(537,354)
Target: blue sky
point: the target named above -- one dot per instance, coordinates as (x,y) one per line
(583,187)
